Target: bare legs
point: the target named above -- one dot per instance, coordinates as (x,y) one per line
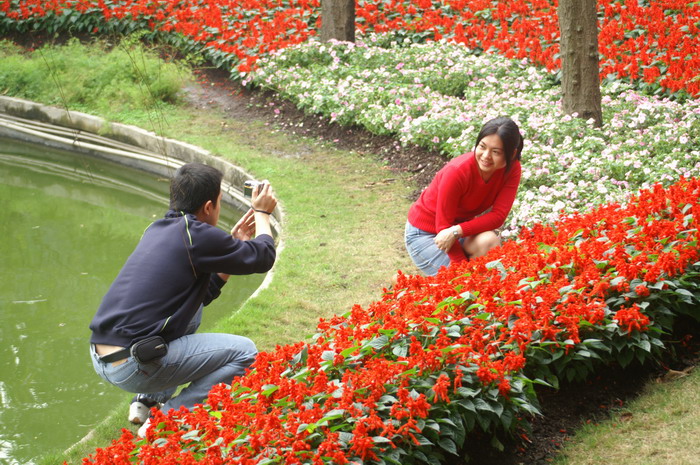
(476,246)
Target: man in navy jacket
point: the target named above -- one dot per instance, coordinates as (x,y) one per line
(143,337)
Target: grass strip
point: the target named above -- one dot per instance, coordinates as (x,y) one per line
(658,428)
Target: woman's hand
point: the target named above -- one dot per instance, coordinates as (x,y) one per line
(446,238)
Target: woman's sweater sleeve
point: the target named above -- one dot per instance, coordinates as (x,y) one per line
(501,206)
(451,188)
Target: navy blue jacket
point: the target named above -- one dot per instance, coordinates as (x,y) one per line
(173,271)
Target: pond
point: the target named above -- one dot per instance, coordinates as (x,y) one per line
(70,223)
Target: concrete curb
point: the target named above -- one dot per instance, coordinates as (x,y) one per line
(131,146)
(124,144)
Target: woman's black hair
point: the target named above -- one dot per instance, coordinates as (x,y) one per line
(193,185)
(509,132)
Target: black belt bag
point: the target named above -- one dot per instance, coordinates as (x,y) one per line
(144,351)
(149,349)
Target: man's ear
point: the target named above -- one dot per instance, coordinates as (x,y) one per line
(208,207)
(205,211)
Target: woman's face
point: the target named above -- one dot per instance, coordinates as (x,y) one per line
(490,155)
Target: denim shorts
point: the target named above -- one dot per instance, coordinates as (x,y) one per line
(423,251)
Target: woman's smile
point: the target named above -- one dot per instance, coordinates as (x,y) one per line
(490,156)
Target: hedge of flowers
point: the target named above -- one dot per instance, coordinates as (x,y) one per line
(653,42)
(437,95)
(413,376)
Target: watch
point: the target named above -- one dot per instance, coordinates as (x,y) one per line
(455,231)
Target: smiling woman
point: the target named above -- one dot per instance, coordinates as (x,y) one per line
(455,217)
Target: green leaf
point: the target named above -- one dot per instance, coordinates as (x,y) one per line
(467,404)
(644,345)
(625,358)
(400,350)
(349,351)
(497,444)
(432,424)
(420,456)
(483,406)
(467,392)
(459,432)
(688,296)
(423,441)
(448,445)
(191,435)
(333,415)
(507,419)
(378,342)
(268,389)
(345,437)
(301,356)
(497,408)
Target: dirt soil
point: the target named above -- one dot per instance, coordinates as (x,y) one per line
(563,410)
(215,89)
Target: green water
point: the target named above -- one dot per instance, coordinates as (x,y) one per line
(69,224)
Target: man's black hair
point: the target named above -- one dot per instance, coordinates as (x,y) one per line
(192,185)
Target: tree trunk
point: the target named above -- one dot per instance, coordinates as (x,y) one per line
(578,26)
(338,20)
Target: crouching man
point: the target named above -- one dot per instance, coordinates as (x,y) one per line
(143,334)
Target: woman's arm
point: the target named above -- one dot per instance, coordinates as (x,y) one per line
(451,190)
(502,205)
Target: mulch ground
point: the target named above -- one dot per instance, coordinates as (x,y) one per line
(563,410)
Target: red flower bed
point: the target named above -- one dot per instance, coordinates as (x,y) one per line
(413,374)
(655,44)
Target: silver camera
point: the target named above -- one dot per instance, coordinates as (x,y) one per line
(250,186)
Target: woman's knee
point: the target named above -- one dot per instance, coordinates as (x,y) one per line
(480,244)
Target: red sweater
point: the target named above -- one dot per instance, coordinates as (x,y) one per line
(457,195)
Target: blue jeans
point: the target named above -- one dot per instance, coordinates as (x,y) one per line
(203,360)
(423,251)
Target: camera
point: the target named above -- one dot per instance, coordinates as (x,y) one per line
(249,186)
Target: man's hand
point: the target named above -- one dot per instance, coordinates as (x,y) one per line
(263,199)
(245,228)
(263,202)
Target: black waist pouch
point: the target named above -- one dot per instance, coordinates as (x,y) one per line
(149,349)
